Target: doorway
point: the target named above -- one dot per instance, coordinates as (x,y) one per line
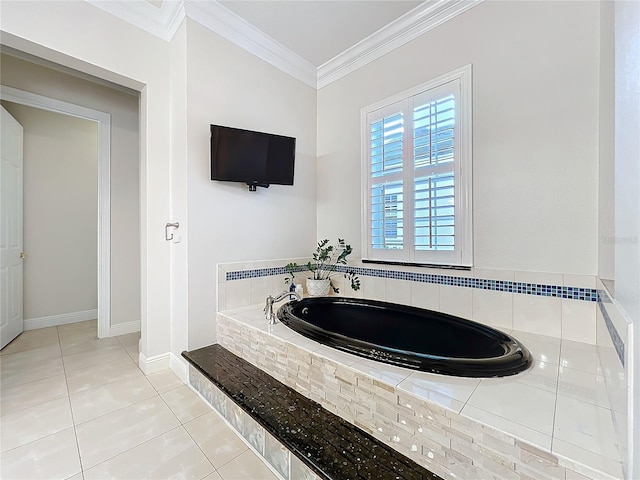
(116,110)
(99,259)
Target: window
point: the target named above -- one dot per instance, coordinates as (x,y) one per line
(416,150)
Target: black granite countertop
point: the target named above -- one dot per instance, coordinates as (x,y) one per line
(326,443)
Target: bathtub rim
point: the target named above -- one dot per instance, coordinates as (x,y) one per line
(515,359)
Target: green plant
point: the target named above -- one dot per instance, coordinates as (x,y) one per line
(325,263)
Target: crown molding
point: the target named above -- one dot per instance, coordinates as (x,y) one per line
(162,22)
(410,26)
(227,24)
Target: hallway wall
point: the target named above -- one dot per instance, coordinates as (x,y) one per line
(125,209)
(60,212)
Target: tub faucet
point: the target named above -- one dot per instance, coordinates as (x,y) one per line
(268,307)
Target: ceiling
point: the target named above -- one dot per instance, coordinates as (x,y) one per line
(319,30)
(314,41)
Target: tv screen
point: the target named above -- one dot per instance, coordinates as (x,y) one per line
(254,158)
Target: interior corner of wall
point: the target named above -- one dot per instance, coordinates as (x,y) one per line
(154,364)
(179,366)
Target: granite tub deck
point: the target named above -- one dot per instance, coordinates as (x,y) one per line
(328,445)
(551,422)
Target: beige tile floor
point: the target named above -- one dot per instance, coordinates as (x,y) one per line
(75,407)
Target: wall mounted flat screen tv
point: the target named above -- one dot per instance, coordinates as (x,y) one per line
(255,158)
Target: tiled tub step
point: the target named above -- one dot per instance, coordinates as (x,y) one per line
(329,446)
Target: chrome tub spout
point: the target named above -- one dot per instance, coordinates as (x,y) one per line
(268,307)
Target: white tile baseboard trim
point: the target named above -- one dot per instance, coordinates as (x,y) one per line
(124,328)
(61,319)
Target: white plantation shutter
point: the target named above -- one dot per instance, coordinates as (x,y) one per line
(434,214)
(386,195)
(387,222)
(417,168)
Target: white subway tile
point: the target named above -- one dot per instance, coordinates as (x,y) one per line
(493,308)
(542,347)
(238,293)
(537,314)
(580,281)
(522,404)
(456,301)
(582,461)
(539,278)
(587,425)
(425,295)
(374,288)
(492,274)
(579,320)
(398,291)
(580,358)
(510,427)
(584,386)
(542,375)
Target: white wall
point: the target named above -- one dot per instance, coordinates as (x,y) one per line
(219,222)
(79,35)
(179,251)
(535,114)
(60,212)
(627,167)
(227,223)
(627,194)
(125,209)
(606,181)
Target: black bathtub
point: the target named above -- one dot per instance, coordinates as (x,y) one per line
(407,336)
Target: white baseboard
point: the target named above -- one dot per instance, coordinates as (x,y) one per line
(179,367)
(62,319)
(165,361)
(124,328)
(155,363)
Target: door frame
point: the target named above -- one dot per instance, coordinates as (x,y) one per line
(103,121)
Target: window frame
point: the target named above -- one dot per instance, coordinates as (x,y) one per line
(462,255)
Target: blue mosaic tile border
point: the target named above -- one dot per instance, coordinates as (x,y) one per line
(573,293)
(260,272)
(618,344)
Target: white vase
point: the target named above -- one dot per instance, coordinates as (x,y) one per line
(318,288)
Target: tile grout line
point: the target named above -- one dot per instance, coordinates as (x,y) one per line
(198,445)
(237,433)
(555,402)
(135,403)
(117,410)
(225,421)
(57,343)
(73,422)
(136,446)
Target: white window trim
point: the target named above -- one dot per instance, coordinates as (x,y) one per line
(464,187)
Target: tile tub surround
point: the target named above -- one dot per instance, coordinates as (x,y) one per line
(557,305)
(614,329)
(326,443)
(551,422)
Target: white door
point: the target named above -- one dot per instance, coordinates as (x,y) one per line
(11,255)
